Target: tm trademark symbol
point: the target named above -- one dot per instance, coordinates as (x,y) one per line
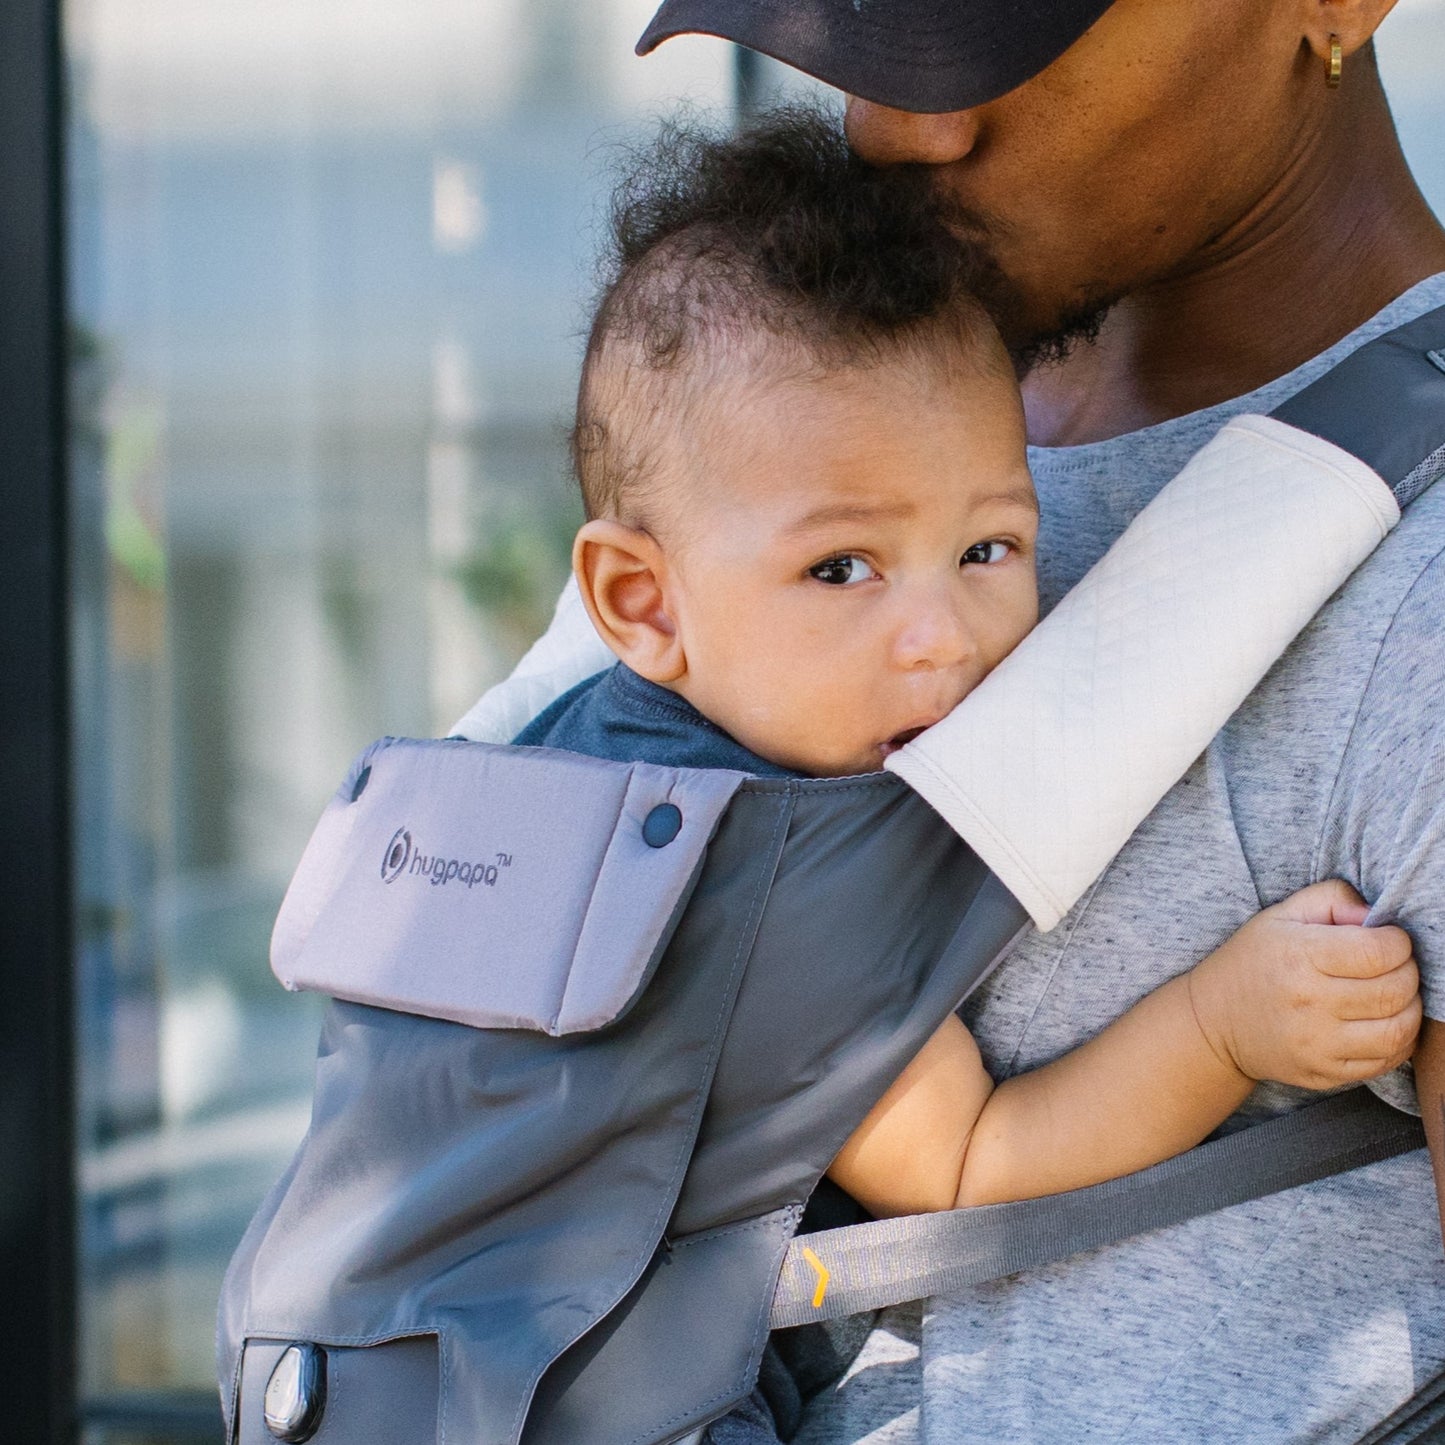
(504,860)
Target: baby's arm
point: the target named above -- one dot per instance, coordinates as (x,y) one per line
(1294,996)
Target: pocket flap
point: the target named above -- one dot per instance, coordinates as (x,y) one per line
(499,887)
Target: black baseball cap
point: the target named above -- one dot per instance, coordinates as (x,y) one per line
(920,55)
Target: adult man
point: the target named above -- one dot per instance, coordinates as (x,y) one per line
(1214,198)
(1214,195)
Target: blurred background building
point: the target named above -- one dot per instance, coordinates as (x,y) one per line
(323,271)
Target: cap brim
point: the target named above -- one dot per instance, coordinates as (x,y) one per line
(916,55)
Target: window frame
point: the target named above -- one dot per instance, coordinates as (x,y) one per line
(37,1224)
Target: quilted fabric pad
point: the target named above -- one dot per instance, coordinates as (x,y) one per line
(1054,760)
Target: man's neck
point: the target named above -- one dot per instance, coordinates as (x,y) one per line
(1334,242)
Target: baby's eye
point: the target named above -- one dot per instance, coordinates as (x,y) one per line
(842,571)
(986,552)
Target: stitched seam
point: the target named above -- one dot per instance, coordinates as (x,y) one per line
(746,938)
(804,787)
(349,1341)
(592,895)
(232,1401)
(444,1379)
(1317,854)
(663,707)
(704,1236)
(363,1341)
(1365,490)
(794,1213)
(1054,971)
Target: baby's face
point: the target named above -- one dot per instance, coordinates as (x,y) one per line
(857,553)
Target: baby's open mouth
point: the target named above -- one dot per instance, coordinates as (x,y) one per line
(899,740)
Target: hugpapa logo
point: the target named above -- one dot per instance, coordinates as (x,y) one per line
(398,855)
(404,857)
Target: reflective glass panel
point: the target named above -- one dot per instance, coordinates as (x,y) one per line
(329,261)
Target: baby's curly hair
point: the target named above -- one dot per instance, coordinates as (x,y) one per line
(778,243)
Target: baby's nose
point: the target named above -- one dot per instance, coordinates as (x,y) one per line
(937,635)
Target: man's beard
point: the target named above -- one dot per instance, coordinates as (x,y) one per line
(1071,329)
(1032,339)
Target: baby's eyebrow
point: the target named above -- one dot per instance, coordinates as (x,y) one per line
(833,513)
(1024,497)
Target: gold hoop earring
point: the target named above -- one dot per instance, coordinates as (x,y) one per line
(1336,65)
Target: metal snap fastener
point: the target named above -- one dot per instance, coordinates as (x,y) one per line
(296,1393)
(662,825)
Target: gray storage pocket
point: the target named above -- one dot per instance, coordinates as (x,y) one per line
(514,888)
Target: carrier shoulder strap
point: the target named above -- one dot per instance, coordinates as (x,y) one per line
(1384,403)
(867,1266)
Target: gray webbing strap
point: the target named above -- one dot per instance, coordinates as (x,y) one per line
(839,1272)
(1385,402)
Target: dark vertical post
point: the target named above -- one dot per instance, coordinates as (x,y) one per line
(37,1302)
(747,84)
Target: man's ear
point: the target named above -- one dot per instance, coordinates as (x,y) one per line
(623,577)
(1354,22)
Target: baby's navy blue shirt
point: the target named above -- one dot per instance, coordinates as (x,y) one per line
(622,716)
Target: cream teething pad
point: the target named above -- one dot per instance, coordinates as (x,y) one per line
(1051,763)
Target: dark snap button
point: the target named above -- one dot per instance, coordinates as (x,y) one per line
(296,1393)
(662,825)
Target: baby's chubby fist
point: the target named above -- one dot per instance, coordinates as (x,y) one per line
(1305,994)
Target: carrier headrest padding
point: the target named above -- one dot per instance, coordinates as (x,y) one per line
(496,887)
(1054,760)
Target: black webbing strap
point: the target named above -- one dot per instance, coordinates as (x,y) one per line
(1385,403)
(840,1272)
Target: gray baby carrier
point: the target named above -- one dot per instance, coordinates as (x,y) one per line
(597,1031)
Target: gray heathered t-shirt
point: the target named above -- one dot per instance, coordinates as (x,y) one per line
(1310,1315)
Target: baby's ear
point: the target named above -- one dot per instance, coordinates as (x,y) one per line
(622,574)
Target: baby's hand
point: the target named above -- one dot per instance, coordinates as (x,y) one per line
(1303,994)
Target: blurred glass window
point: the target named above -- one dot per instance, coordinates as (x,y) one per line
(329,262)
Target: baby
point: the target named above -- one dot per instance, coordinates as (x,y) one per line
(810,534)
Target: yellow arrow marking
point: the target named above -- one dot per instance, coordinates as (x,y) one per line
(823,1277)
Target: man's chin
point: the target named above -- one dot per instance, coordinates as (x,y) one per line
(1053,341)
(1038,330)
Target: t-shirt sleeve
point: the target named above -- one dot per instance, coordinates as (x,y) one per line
(1385,829)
